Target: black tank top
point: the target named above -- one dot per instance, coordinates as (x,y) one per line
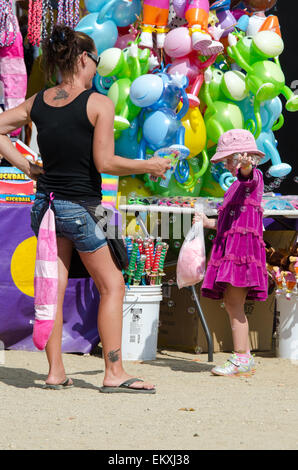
(65,137)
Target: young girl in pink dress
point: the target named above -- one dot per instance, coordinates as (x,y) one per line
(237,267)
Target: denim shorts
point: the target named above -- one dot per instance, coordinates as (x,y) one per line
(72,222)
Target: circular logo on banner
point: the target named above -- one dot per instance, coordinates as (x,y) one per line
(23,264)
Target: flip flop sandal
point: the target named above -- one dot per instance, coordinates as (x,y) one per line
(126,388)
(62,386)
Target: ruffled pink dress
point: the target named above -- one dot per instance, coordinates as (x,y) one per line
(238,254)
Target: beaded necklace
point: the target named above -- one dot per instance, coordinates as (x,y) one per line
(68,12)
(34,21)
(7,19)
(47,23)
(41,17)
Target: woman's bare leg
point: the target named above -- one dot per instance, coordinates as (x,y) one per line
(109,281)
(53,349)
(234,300)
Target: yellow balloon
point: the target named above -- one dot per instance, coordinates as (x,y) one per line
(195,131)
(131,187)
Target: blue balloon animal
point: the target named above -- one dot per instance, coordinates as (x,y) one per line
(272,120)
(104,18)
(159,95)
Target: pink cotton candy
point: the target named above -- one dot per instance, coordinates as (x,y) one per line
(192,258)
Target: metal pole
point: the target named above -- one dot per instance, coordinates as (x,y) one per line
(204,324)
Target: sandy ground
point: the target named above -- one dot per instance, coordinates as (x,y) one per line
(228,413)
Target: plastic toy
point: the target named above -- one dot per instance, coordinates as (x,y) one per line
(226,19)
(155,19)
(176,156)
(196,12)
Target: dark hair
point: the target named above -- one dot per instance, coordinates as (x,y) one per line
(61,49)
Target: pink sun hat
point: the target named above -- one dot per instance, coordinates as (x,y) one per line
(235,141)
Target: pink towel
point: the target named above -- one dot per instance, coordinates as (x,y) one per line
(45,280)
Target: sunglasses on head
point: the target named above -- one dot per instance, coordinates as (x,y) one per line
(93,57)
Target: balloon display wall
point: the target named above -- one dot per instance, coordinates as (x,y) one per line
(177,89)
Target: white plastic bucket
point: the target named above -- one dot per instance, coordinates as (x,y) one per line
(287,329)
(140,322)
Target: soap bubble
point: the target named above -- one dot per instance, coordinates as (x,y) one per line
(211,237)
(295,179)
(171,282)
(171,303)
(177,244)
(191,310)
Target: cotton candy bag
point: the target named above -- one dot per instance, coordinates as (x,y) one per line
(45,280)
(192,257)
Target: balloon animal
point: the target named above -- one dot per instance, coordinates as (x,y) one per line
(159,95)
(272,119)
(126,65)
(185,61)
(264,78)
(219,93)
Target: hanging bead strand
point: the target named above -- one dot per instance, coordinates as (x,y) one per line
(7,19)
(47,19)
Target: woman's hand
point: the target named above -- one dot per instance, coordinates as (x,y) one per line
(34,171)
(158,166)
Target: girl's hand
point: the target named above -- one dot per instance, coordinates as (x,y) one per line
(245,160)
(201,216)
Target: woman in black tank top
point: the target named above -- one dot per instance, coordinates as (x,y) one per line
(76,141)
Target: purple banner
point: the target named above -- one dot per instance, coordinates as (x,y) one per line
(17,257)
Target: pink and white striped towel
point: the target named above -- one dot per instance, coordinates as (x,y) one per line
(45,280)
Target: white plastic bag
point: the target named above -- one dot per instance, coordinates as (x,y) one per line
(192,257)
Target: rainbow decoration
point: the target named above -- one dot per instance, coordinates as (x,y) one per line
(109,188)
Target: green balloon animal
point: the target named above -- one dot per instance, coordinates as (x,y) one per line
(264,77)
(126,65)
(219,94)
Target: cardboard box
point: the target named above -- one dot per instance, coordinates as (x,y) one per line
(181,329)
(260,317)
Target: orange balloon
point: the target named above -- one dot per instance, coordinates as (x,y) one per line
(271,24)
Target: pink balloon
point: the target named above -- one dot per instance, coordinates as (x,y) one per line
(123,40)
(178,42)
(185,66)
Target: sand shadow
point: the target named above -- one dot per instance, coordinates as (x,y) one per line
(179,364)
(24,378)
